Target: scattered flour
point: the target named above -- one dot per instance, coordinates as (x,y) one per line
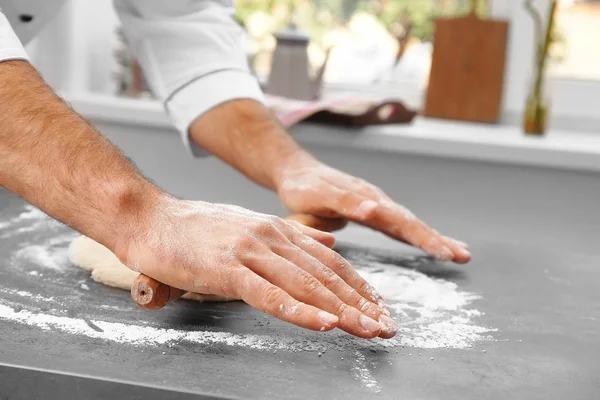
(431,313)
(30,220)
(139,335)
(363,374)
(43,256)
(23,293)
(124,333)
(31,213)
(50,254)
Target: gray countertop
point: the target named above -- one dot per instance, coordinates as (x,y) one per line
(536,282)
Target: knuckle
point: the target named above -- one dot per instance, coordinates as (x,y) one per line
(276,221)
(341,309)
(365,287)
(243,245)
(271,297)
(228,289)
(369,291)
(347,197)
(337,262)
(265,227)
(369,213)
(310,285)
(330,278)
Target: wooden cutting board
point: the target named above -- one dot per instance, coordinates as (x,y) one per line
(467,71)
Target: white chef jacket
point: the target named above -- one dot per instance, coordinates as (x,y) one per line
(190,50)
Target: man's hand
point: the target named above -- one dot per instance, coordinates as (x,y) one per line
(245,135)
(307,186)
(263,260)
(55,160)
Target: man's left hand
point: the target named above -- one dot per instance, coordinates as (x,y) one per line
(305,185)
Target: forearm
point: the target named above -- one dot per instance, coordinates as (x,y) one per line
(244,134)
(55,160)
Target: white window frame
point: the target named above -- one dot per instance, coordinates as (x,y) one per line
(574,102)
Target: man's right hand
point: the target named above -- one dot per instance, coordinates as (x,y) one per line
(276,266)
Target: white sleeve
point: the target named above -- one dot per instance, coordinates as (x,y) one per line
(10,45)
(191,53)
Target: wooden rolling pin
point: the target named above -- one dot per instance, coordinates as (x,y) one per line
(151,294)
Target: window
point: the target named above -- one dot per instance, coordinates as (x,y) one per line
(361,29)
(577,51)
(383,40)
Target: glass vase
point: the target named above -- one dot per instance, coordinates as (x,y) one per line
(537,107)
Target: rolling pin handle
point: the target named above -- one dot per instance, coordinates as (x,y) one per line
(151,294)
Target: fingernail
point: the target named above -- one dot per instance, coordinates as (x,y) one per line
(368,324)
(388,325)
(465,253)
(366,208)
(326,318)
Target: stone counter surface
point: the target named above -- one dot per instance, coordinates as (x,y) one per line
(530,326)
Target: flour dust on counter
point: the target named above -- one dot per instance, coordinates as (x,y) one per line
(49,253)
(29,220)
(41,289)
(431,312)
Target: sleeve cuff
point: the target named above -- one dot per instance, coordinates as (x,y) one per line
(10,45)
(13,54)
(205,93)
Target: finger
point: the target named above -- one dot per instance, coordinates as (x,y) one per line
(359,191)
(398,222)
(325,238)
(306,288)
(259,293)
(461,253)
(302,256)
(457,242)
(360,291)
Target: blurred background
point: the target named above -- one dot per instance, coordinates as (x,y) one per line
(387,43)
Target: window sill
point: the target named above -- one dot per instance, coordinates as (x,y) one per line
(437,138)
